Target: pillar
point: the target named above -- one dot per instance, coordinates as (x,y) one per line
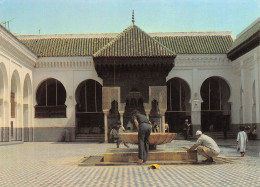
(106,125)
(163,122)
(196,116)
(195,102)
(121,117)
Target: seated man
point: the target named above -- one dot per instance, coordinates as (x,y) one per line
(206,146)
(166,127)
(114,135)
(156,128)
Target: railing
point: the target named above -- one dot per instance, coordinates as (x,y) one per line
(50,111)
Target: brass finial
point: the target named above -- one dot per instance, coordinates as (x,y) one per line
(133,16)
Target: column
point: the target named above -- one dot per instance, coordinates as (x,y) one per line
(163,122)
(105,124)
(147,112)
(196,115)
(121,117)
(6,132)
(195,102)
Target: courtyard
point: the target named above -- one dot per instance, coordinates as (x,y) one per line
(56,164)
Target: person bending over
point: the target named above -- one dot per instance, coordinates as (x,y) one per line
(205,146)
(144,130)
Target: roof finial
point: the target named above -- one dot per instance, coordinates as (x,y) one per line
(133,17)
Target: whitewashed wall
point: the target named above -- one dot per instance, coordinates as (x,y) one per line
(17,61)
(248,67)
(70,71)
(195,69)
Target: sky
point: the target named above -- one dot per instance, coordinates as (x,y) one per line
(113,16)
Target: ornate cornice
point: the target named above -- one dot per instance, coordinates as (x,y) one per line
(206,61)
(248,60)
(66,62)
(15,56)
(17,46)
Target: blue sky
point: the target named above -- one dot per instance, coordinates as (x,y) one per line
(113,16)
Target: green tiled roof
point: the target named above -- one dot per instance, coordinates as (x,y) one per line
(125,44)
(245,36)
(64,47)
(133,42)
(213,44)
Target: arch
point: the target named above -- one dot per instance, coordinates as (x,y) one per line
(154,108)
(82,89)
(215,107)
(217,76)
(88,77)
(3,105)
(214,91)
(178,103)
(50,98)
(27,108)
(43,80)
(27,89)
(15,103)
(89,115)
(4,81)
(178,94)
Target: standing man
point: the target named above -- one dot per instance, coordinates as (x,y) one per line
(186,129)
(241,141)
(144,130)
(206,146)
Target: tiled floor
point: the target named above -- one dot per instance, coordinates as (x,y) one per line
(55,164)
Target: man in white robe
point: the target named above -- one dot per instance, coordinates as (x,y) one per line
(241,141)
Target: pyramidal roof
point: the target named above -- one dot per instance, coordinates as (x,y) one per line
(133,42)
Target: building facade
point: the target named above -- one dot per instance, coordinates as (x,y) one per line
(76,87)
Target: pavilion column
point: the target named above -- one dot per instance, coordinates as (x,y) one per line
(147,113)
(163,122)
(106,125)
(121,117)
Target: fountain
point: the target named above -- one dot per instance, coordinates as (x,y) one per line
(161,155)
(155,138)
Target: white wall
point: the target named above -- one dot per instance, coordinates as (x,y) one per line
(70,71)
(195,69)
(14,62)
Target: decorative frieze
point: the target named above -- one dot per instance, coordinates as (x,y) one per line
(14,47)
(65,62)
(201,60)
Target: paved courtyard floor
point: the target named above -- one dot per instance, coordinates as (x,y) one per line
(56,164)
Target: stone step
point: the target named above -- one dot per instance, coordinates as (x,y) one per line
(90,135)
(90,138)
(220,135)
